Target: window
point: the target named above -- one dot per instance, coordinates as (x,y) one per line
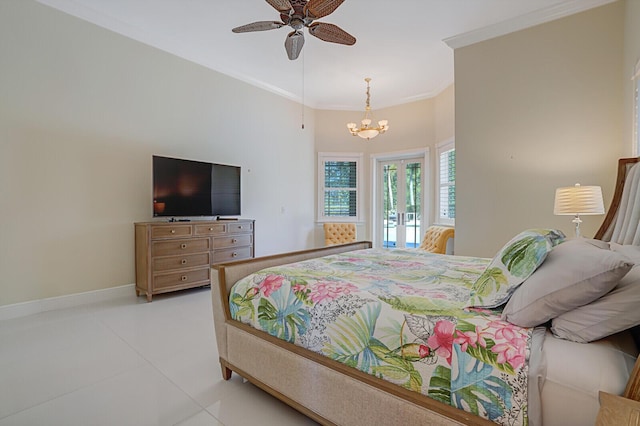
(446,183)
(339,186)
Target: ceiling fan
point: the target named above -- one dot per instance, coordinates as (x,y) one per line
(299,14)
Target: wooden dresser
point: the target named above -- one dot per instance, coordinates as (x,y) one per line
(178,255)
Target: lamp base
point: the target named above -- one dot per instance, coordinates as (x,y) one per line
(577,221)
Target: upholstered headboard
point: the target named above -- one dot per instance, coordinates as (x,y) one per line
(622,225)
(622,222)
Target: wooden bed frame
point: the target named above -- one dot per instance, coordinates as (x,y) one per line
(337,394)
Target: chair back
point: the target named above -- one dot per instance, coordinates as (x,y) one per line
(436,237)
(339,233)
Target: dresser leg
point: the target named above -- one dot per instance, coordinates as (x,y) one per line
(149,296)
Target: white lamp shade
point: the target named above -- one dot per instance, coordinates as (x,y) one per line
(582,200)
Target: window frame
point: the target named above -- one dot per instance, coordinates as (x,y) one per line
(442,148)
(324,157)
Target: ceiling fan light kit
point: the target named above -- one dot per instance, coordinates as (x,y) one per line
(365,131)
(299,14)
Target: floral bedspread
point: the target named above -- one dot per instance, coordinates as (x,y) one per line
(398,315)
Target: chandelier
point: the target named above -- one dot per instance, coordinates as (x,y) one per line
(366,131)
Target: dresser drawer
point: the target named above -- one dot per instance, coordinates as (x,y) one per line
(211,229)
(232,241)
(174,256)
(170,231)
(239,227)
(181,278)
(222,256)
(180,247)
(181,262)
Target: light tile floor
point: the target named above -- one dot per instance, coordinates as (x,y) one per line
(126,362)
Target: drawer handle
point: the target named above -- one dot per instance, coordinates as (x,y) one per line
(183,261)
(184,278)
(173,231)
(183,246)
(233,240)
(210,229)
(240,227)
(234,254)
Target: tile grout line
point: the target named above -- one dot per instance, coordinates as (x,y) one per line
(93,312)
(87,386)
(161,373)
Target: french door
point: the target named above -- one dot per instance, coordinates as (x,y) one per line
(400,187)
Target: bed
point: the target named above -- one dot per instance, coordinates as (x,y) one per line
(352,335)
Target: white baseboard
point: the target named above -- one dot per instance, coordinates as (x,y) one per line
(31,307)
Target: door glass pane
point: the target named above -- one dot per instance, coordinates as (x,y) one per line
(402,208)
(413,208)
(389,205)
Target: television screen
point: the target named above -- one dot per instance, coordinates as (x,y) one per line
(225,190)
(194,188)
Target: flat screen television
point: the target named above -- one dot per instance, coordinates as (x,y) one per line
(183,188)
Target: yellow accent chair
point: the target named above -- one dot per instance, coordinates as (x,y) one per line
(436,237)
(339,233)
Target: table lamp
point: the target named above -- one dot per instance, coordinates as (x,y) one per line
(578,200)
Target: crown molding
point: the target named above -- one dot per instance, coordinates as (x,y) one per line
(525,21)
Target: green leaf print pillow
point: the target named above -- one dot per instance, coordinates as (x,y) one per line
(513,264)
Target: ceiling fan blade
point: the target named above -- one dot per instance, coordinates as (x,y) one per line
(258,26)
(293,44)
(318,8)
(282,6)
(331,33)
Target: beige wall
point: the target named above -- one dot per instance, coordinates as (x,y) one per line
(82,110)
(445,113)
(535,110)
(416,125)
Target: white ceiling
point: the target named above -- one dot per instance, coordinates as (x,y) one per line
(405,46)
